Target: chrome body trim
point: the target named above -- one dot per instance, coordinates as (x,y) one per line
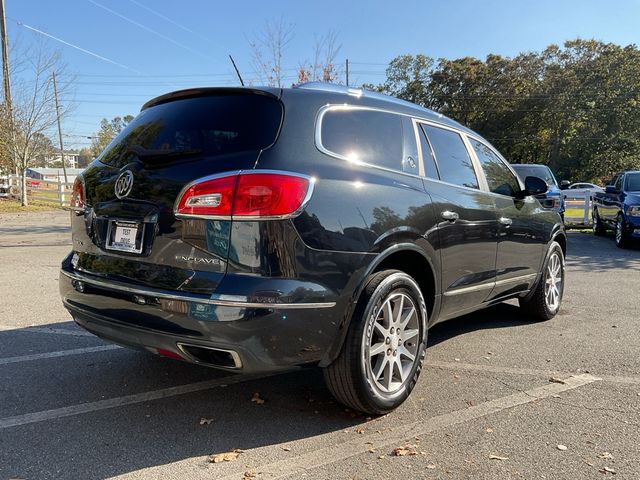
(492,284)
(221,300)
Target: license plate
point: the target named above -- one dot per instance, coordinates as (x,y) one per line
(125,236)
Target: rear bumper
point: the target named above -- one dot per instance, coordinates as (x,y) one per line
(260,334)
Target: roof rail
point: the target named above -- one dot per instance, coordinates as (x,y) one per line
(360,92)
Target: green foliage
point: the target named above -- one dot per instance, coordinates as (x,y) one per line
(574,108)
(108,131)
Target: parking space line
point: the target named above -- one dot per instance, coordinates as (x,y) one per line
(526,371)
(326,456)
(88,407)
(59,353)
(54,331)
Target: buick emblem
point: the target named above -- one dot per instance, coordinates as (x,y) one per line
(124,183)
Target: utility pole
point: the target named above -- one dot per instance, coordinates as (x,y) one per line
(346,69)
(55,95)
(6,82)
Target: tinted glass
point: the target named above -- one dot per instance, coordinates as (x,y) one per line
(430,168)
(211,126)
(540,171)
(618,183)
(453,159)
(633,182)
(365,136)
(499,177)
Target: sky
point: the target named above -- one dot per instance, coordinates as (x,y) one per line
(150,47)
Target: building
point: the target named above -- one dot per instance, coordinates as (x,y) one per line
(53,174)
(70,158)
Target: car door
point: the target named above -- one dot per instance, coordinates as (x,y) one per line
(467,222)
(611,201)
(521,236)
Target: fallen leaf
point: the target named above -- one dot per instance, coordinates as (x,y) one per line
(405,450)
(380,457)
(360,430)
(431,466)
(489,430)
(226,456)
(205,421)
(372,450)
(606,455)
(489,353)
(256,399)
(496,457)
(248,474)
(557,380)
(561,447)
(456,359)
(608,470)
(487,358)
(286,449)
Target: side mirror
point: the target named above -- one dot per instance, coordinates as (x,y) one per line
(535,186)
(564,184)
(610,189)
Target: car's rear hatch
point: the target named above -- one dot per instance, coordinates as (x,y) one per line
(127,231)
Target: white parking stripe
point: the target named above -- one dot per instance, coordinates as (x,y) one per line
(60,353)
(56,331)
(318,458)
(122,401)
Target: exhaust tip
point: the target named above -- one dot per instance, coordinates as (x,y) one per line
(213,357)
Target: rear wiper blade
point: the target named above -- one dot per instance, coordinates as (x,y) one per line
(143,153)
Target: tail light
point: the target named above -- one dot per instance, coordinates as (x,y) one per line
(77,196)
(246,195)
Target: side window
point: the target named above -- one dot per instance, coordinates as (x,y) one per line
(618,183)
(365,136)
(430,168)
(499,177)
(452,157)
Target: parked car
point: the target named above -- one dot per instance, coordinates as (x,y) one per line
(260,229)
(618,208)
(553,198)
(581,190)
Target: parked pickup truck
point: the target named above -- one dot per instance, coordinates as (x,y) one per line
(618,208)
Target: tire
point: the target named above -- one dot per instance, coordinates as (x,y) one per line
(544,304)
(597,225)
(362,379)
(623,239)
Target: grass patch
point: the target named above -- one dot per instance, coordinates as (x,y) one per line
(13,206)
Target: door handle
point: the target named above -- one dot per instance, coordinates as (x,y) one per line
(450,216)
(505,221)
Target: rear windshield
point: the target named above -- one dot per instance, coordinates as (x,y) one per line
(539,171)
(208,125)
(633,182)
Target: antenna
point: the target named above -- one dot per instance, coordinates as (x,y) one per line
(237,71)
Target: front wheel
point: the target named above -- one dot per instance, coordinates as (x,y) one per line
(623,239)
(545,301)
(382,355)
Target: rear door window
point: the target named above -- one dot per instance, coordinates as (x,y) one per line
(207,125)
(366,136)
(453,160)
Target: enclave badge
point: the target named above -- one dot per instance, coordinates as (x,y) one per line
(124,183)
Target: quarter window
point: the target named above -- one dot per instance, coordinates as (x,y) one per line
(365,136)
(452,157)
(430,169)
(499,177)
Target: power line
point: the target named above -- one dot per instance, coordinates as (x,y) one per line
(84,50)
(150,30)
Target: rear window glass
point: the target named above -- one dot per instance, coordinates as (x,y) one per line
(209,125)
(365,136)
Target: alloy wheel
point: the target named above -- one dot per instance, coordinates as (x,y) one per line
(619,230)
(390,351)
(553,282)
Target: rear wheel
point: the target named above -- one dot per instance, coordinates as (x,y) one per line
(383,352)
(545,301)
(597,225)
(623,238)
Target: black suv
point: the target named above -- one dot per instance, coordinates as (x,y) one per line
(258,229)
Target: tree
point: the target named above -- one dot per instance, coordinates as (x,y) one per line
(269,47)
(108,131)
(85,157)
(34,109)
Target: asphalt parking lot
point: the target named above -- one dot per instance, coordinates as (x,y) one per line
(500,398)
